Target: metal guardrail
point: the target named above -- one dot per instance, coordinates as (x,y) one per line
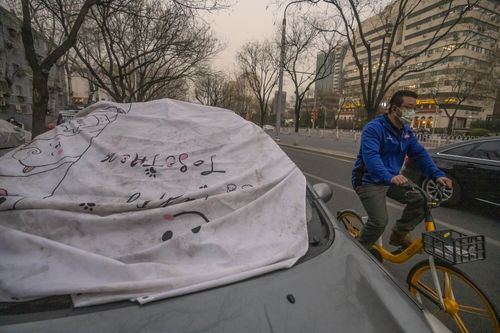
(438,140)
(427,140)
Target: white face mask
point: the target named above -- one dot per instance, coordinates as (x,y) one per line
(405,115)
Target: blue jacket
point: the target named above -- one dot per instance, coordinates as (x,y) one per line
(382,152)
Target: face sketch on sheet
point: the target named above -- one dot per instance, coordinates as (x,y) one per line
(43,155)
(167,235)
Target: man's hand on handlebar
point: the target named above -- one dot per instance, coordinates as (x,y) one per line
(445,182)
(399,180)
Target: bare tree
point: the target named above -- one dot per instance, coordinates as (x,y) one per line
(144,50)
(303,43)
(205,5)
(212,88)
(68,17)
(241,101)
(256,61)
(465,84)
(382,65)
(14,6)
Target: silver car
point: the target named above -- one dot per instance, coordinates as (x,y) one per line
(336,286)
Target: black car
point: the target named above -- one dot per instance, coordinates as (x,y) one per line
(473,166)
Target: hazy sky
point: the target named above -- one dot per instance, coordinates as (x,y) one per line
(245,21)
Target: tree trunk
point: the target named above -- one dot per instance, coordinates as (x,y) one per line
(70,82)
(371,113)
(40,103)
(449,130)
(297,113)
(262,115)
(92,91)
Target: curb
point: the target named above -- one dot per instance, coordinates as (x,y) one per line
(322,151)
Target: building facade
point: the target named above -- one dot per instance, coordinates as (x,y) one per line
(331,83)
(16,76)
(461,83)
(324,68)
(327,90)
(84,93)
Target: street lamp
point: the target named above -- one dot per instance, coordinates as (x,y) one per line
(282,65)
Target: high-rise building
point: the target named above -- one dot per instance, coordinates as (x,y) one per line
(324,68)
(327,89)
(461,81)
(331,83)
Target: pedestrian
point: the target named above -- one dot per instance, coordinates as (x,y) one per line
(385,141)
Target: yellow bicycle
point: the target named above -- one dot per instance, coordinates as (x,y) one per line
(439,286)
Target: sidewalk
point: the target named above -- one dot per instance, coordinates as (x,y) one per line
(327,143)
(345,143)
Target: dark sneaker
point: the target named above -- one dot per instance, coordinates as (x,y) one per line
(400,239)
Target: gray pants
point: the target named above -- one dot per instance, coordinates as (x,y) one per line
(373,198)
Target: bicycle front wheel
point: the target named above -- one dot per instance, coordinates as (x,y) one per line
(466,307)
(351,220)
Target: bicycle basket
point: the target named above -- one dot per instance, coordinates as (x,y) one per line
(453,246)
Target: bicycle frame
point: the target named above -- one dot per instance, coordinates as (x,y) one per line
(416,246)
(401,257)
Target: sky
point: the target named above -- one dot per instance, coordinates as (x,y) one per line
(245,21)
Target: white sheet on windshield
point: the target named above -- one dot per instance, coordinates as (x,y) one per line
(146,201)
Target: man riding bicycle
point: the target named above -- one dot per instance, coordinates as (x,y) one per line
(385,141)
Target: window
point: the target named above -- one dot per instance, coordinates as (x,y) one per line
(489,150)
(460,150)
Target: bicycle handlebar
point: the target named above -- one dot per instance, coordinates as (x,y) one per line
(428,200)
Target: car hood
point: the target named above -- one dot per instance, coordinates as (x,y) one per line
(341,290)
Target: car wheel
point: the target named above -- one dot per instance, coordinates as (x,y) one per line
(451,196)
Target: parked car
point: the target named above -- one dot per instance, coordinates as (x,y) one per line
(335,284)
(268,128)
(473,166)
(66,115)
(12,135)
(77,228)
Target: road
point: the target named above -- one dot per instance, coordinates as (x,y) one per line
(345,143)
(469,219)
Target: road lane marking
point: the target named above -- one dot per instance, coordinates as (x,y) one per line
(400,207)
(326,155)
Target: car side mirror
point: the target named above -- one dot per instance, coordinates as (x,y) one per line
(324,191)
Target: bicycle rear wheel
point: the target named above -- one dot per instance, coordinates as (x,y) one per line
(467,309)
(351,220)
